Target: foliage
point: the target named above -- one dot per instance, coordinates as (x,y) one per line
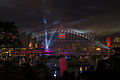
(9,35)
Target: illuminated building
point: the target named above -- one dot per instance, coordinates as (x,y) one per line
(108,41)
(81,70)
(31,45)
(36,45)
(116,42)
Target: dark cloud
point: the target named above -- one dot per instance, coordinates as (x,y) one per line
(28,14)
(6,3)
(104,23)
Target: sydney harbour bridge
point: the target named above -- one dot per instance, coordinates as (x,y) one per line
(70,40)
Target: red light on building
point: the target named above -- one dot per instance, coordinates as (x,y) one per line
(12,38)
(108,41)
(62,36)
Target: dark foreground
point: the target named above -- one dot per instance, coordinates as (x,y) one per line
(106,70)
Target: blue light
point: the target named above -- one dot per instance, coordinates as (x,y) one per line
(55,74)
(48,41)
(66,53)
(56,22)
(44,21)
(45,55)
(66,57)
(51,36)
(40,54)
(80,71)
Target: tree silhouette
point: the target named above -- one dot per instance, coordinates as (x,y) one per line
(9,35)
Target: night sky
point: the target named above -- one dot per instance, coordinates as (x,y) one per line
(28,14)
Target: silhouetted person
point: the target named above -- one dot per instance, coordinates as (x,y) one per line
(72,76)
(65,76)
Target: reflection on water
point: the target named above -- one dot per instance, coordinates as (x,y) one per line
(59,65)
(63,64)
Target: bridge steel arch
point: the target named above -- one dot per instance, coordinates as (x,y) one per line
(86,35)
